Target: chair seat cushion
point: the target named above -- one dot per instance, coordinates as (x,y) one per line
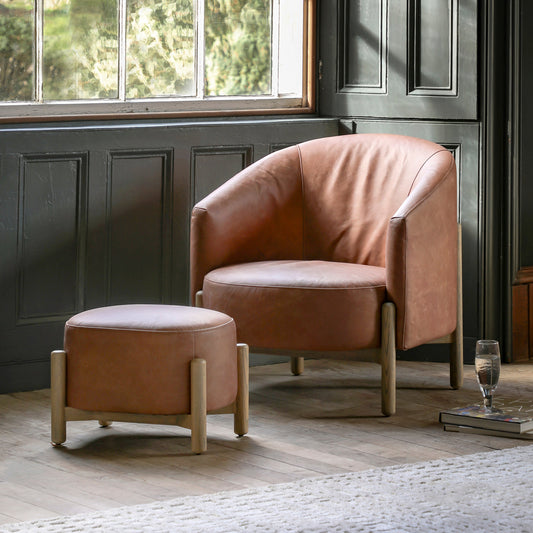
(300,305)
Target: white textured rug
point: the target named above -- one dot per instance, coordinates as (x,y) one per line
(487,492)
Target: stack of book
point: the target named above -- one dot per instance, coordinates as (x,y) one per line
(511,418)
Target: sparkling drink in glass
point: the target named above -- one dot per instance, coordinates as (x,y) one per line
(487,370)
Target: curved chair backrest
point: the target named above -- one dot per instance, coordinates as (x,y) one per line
(332,198)
(354,184)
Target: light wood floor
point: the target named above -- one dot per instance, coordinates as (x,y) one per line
(325,421)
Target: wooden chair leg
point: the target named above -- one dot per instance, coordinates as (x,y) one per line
(297,365)
(456,348)
(388,359)
(58,377)
(199,299)
(198,406)
(456,361)
(240,418)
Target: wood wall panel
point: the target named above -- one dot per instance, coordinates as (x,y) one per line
(51,236)
(433,33)
(138,217)
(399,59)
(520,294)
(278,146)
(213,165)
(522,315)
(523,154)
(363,46)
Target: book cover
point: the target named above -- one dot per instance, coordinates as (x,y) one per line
(528,435)
(514,416)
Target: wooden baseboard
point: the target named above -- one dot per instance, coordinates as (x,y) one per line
(522,316)
(524,275)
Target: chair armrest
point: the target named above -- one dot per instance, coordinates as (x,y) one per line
(421,263)
(255,216)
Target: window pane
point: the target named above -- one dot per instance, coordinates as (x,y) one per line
(237,47)
(291,30)
(16,50)
(80,49)
(160,58)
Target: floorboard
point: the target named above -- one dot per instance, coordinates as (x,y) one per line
(326,421)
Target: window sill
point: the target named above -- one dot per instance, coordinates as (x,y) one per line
(160,108)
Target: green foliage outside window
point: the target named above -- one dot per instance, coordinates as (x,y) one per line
(160,57)
(81,49)
(16,51)
(237,47)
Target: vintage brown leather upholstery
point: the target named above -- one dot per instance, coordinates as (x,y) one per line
(304,247)
(135,358)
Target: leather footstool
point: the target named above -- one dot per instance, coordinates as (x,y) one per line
(159,364)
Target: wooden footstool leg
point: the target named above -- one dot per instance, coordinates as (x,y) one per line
(240,418)
(198,406)
(58,377)
(297,365)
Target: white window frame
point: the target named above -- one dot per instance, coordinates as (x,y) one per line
(198,105)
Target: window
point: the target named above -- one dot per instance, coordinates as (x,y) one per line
(115,57)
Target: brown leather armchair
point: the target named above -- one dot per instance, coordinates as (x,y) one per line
(343,247)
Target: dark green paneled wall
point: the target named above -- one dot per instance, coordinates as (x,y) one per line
(95,214)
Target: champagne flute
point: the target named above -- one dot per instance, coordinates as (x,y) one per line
(487,370)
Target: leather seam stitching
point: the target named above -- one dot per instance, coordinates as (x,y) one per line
(297,288)
(111,328)
(303,198)
(422,166)
(432,191)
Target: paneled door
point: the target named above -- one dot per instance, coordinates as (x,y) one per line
(399,59)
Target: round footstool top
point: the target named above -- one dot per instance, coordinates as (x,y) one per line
(136,358)
(150,317)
